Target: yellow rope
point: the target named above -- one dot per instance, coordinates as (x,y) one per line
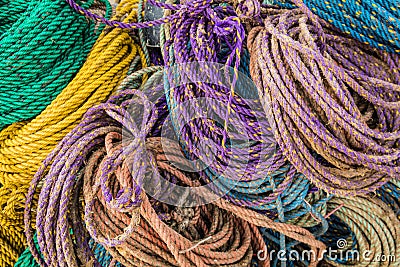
(24,145)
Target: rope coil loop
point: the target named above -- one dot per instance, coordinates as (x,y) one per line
(374,228)
(66,197)
(152,242)
(339,104)
(41,50)
(375,23)
(105,68)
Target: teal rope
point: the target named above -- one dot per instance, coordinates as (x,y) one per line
(10,11)
(26,259)
(373,22)
(41,49)
(101,254)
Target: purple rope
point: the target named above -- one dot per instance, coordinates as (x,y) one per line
(63,166)
(331,96)
(207,32)
(139,25)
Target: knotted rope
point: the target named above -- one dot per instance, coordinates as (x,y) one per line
(42,48)
(24,145)
(334,102)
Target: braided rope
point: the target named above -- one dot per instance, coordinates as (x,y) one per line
(41,50)
(24,145)
(351,121)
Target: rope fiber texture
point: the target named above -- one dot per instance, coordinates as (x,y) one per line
(42,48)
(334,101)
(24,145)
(373,226)
(144,240)
(373,22)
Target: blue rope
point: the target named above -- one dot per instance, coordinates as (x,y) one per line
(390,193)
(373,22)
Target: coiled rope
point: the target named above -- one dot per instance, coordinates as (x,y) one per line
(363,231)
(283,190)
(24,145)
(212,237)
(330,97)
(374,226)
(146,238)
(373,22)
(27,260)
(215,28)
(119,213)
(41,50)
(86,254)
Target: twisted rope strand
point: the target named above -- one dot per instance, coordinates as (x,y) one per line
(351,120)
(24,145)
(40,52)
(374,22)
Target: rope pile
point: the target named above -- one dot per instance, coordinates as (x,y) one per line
(248,126)
(24,145)
(144,242)
(43,45)
(133,218)
(374,22)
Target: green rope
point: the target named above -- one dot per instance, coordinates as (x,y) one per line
(43,43)
(10,11)
(26,259)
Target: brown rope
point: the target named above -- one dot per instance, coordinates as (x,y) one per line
(210,237)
